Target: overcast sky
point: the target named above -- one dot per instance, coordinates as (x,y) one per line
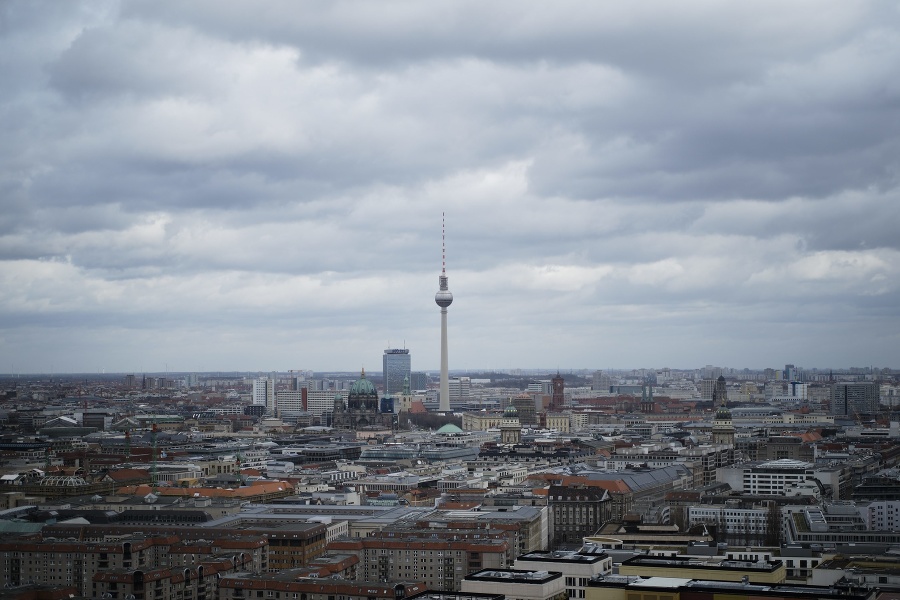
(214,185)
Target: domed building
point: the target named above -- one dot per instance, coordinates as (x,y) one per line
(510,427)
(361,408)
(723,426)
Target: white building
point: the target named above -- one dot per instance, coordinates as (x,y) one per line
(577,568)
(289,401)
(774,477)
(751,521)
(515,583)
(264,393)
(460,389)
(883,515)
(319,402)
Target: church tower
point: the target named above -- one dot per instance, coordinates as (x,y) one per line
(647,404)
(558,399)
(723,427)
(510,427)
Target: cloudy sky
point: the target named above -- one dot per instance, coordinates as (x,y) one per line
(213,185)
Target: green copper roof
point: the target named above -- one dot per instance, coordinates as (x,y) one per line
(362,386)
(449,428)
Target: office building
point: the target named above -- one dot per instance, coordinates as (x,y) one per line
(578,512)
(396,362)
(291,401)
(600,382)
(418,380)
(460,389)
(854,398)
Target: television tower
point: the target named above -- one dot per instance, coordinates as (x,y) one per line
(444,298)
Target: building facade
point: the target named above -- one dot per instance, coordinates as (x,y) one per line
(361,409)
(577,512)
(264,393)
(851,399)
(396,369)
(440,563)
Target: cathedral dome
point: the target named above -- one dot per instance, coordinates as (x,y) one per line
(362,388)
(511,411)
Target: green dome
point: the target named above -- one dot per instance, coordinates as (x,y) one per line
(362,387)
(449,428)
(511,411)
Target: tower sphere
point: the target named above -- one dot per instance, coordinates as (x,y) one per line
(443,298)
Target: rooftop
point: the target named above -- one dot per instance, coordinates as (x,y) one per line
(514,575)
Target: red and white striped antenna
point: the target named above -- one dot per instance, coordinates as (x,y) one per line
(443,245)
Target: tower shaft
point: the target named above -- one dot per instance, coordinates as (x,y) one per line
(444,405)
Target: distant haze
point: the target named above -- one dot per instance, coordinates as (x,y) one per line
(207,185)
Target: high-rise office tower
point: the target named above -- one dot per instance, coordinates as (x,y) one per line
(396,369)
(444,298)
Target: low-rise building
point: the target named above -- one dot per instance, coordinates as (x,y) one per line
(710,569)
(577,568)
(292,584)
(517,584)
(629,587)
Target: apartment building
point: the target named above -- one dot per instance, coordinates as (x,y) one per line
(290,585)
(440,563)
(199,581)
(55,562)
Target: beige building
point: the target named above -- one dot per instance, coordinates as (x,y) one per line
(577,568)
(559,422)
(481,421)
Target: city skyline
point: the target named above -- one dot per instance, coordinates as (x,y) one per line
(198,187)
